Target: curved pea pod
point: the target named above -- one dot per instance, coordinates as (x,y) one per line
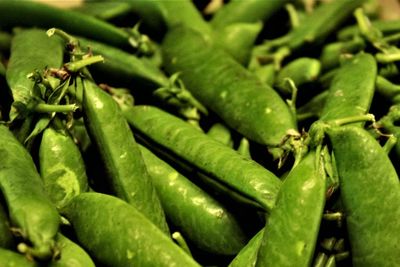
(214,159)
(123,68)
(71,255)
(245,11)
(291,232)
(247,256)
(370,193)
(200,218)
(31,50)
(126,171)
(352,88)
(232,92)
(300,70)
(238,39)
(46,16)
(30,210)
(9,258)
(388,89)
(6,239)
(61,167)
(116,234)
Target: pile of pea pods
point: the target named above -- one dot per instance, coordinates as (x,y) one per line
(207,133)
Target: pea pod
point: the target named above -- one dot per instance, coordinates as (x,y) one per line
(292,229)
(385,26)
(61,167)
(71,255)
(352,88)
(10,258)
(369,185)
(200,218)
(231,91)
(216,160)
(30,210)
(31,50)
(116,234)
(46,16)
(126,171)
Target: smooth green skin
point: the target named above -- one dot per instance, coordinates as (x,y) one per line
(31,50)
(30,210)
(6,238)
(300,70)
(227,88)
(46,16)
(199,217)
(104,10)
(9,258)
(248,11)
(387,27)
(331,53)
(126,171)
(216,160)
(124,68)
(116,234)
(370,193)
(221,133)
(352,88)
(238,39)
(72,255)
(61,167)
(247,256)
(292,228)
(315,27)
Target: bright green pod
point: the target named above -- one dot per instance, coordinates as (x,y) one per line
(9,258)
(30,210)
(387,27)
(61,167)
(126,171)
(292,228)
(116,234)
(31,50)
(370,193)
(219,82)
(214,159)
(71,254)
(352,88)
(247,256)
(300,71)
(199,217)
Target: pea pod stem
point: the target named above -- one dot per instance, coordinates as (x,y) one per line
(181,242)
(49,108)
(75,66)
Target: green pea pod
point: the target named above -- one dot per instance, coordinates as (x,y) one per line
(205,222)
(227,88)
(9,258)
(247,256)
(30,210)
(6,239)
(126,171)
(300,70)
(61,167)
(292,229)
(31,50)
(330,55)
(104,10)
(387,27)
(388,89)
(352,88)
(123,68)
(237,39)
(370,193)
(71,255)
(208,155)
(116,234)
(221,133)
(245,11)
(315,27)
(46,16)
